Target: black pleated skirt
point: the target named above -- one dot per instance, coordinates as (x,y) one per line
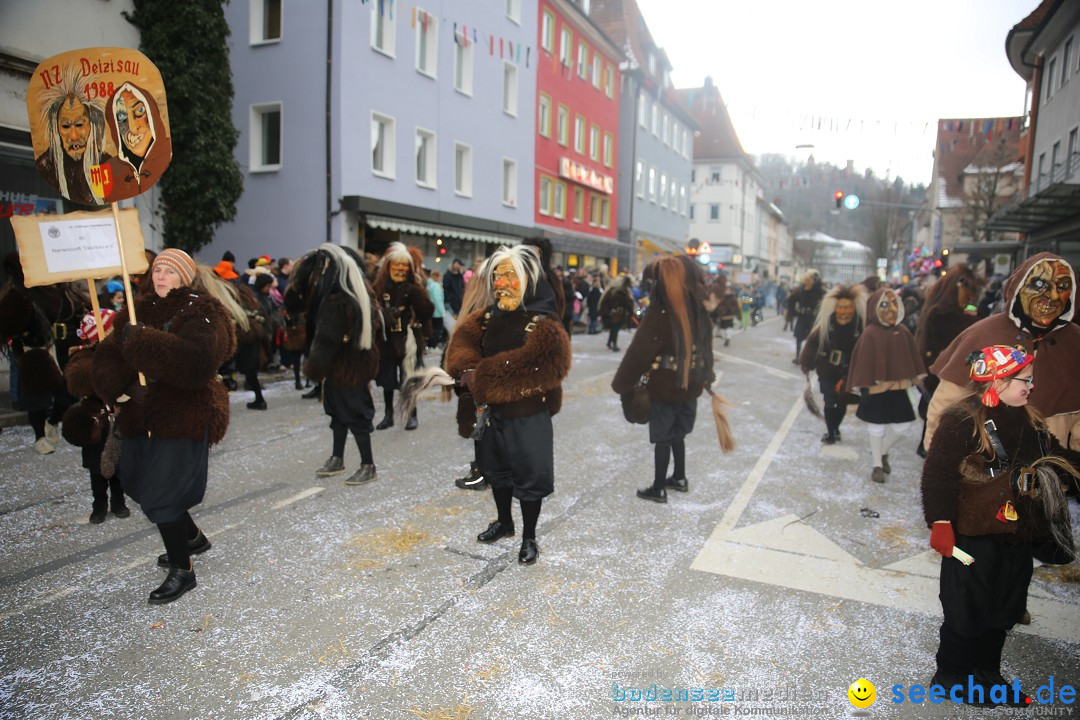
(165,476)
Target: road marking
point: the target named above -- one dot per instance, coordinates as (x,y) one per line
(787,553)
(771,370)
(297,497)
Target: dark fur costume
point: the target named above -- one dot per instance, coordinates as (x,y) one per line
(183,339)
(941,318)
(519,373)
(86,423)
(334,353)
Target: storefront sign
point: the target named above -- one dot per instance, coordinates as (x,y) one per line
(581,174)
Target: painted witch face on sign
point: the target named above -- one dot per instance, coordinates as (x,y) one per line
(1047,292)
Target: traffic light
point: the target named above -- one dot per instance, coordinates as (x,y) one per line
(442,251)
(839,195)
(945,257)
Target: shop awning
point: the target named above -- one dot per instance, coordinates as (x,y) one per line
(415,227)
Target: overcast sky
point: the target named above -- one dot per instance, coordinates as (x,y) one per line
(877,75)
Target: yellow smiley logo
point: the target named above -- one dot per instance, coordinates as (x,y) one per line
(862,693)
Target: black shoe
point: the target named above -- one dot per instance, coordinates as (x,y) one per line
(989,678)
(333,466)
(947,680)
(473,481)
(614,348)
(529,551)
(838,436)
(196,546)
(229,384)
(680,484)
(299,385)
(257,405)
(178,582)
(885,464)
(412,423)
(387,422)
(495,531)
(364,475)
(314,393)
(655,494)
(98,515)
(829,438)
(120,510)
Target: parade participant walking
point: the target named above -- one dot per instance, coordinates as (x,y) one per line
(1039,308)
(407,311)
(86,423)
(616,307)
(727,310)
(512,356)
(804,307)
(183,336)
(328,289)
(672,351)
(828,349)
(948,311)
(884,364)
(454,288)
(991,486)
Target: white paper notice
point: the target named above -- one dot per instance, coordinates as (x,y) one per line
(80,244)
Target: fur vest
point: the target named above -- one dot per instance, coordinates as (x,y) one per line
(519,359)
(334,353)
(955,439)
(181,342)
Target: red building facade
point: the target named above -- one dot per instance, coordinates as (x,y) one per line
(577,136)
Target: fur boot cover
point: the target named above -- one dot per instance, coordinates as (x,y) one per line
(85,423)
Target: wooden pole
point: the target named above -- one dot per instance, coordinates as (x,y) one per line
(97,309)
(127,281)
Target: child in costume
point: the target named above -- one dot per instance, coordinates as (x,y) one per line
(991,486)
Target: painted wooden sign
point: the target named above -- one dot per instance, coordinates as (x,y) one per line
(99,124)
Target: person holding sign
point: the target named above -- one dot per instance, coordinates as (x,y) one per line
(167,424)
(991,486)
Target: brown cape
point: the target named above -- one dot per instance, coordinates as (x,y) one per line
(884,354)
(1057,390)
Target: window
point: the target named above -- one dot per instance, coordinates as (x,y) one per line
(509,182)
(547,31)
(686,144)
(605,213)
(382,145)
(1050,70)
(609,81)
(597,65)
(427,42)
(265,21)
(579,135)
(655,117)
(543,118)
(608,143)
(562,125)
(714,212)
(665,132)
(510,89)
(663,190)
(682,199)
(643,111)
(598,211)
(652,184)
(639,179)
(582,60)
(579,205)
(1066,61)
(715,176)
(674,199)
(559,200)
(566,47)
(463,64)
(676,136)
(425,158)
(383,26)
(543,205)
(463,169)
(1071,158)
(691,211)
(594,143)
(265,137)
(513,10)
(1055,151)
(1042,167)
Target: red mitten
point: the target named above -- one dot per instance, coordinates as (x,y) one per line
(942,538)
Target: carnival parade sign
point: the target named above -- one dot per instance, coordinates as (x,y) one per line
(99,124)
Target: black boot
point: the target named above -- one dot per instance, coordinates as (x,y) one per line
(196,546)
(412,422)
(178,582)
(117,504)
(473,481)
(653,493)
(387,422)
(98,512)
(99,486)
(314,393)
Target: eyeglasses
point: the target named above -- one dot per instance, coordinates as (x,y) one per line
(1029,379)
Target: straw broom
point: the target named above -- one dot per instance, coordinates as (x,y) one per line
(723,427)
(810,400)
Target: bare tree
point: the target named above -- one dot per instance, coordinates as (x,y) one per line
(988,182)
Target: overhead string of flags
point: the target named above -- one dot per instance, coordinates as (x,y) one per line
(978,131)
(462,34)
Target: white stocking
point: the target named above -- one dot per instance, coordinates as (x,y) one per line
(877,438)
(893,432)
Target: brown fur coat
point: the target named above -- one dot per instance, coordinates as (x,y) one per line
(517,372)
(181,342)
